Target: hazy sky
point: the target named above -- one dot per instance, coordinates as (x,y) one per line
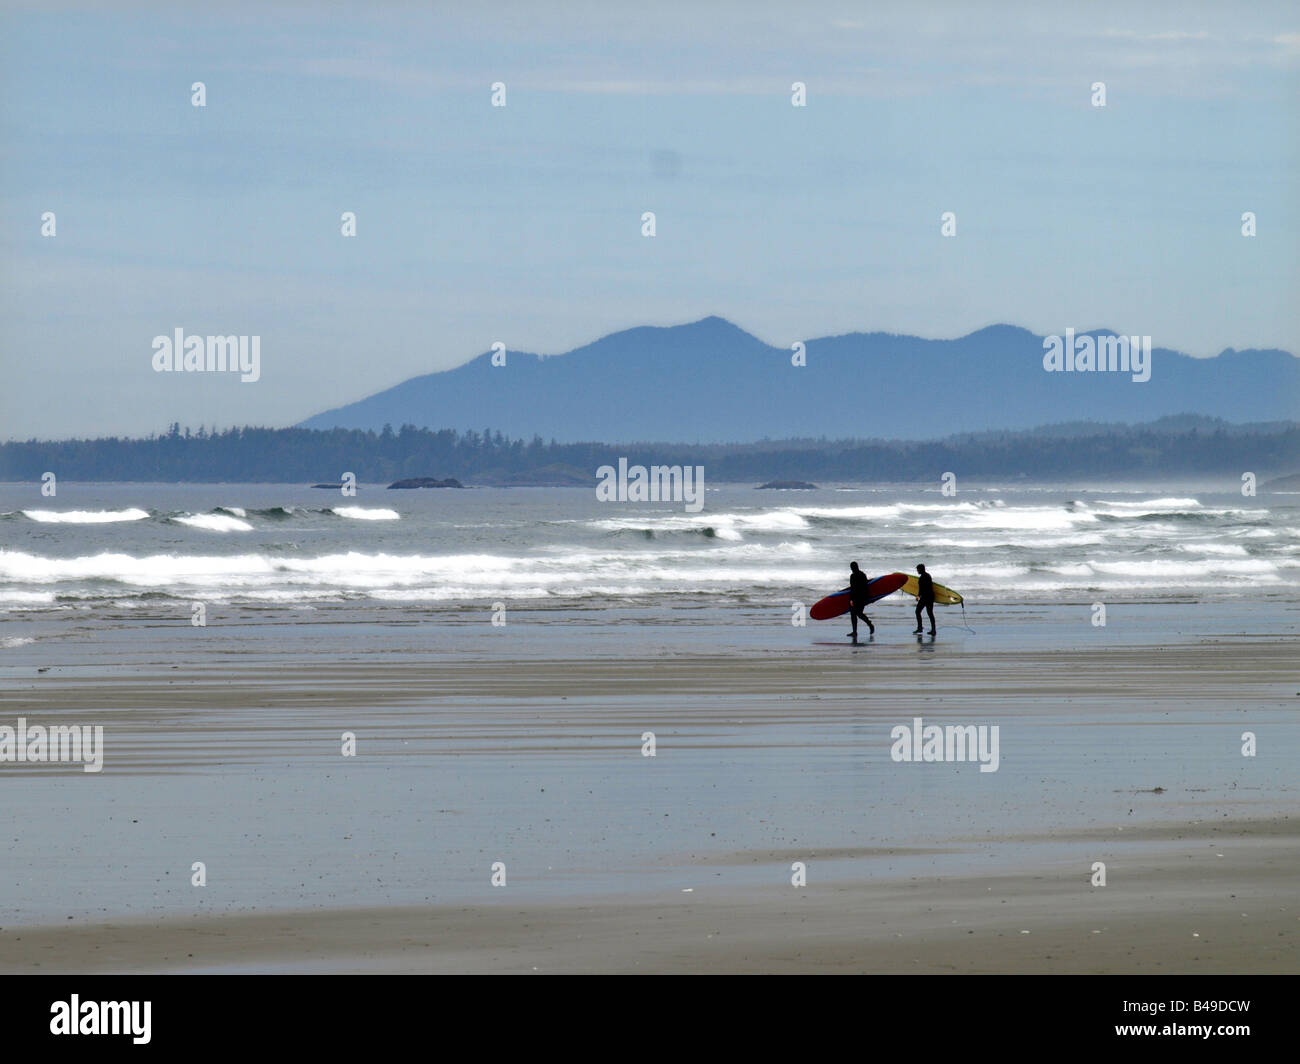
(523,223)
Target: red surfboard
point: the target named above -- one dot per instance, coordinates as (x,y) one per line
(834,605)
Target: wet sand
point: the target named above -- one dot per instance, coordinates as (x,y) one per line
(1193,911)
(1129,755)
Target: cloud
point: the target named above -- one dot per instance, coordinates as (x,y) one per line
(1289,41)
(1166,35)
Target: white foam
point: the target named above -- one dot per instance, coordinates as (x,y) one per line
(1151,505)
(790,548)
(215,523)
(86,517)
(1024,519)
(849,513)
(455,593)
(287,595)
(11,641)
(1217,549)
(726,525)
(1007,538)
(155,570)
(361,513)
(26,597)
(1172,570)
(773,521)
(1077,569)
(988,514)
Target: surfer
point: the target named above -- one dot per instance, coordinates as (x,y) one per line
(858,596)
(924,598)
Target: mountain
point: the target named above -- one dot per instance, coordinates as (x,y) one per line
(711,381)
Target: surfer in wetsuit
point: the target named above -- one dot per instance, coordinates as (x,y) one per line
(858,595)
(924,598)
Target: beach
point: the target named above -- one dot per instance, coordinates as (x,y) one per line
(1120,745)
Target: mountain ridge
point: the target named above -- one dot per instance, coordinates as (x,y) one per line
(711,380)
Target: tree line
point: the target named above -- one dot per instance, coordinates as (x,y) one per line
(489,457)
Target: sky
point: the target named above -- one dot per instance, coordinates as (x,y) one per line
(523,224)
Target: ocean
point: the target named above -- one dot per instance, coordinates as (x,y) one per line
(108,553)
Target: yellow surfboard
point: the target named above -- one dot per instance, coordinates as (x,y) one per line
(943,596)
